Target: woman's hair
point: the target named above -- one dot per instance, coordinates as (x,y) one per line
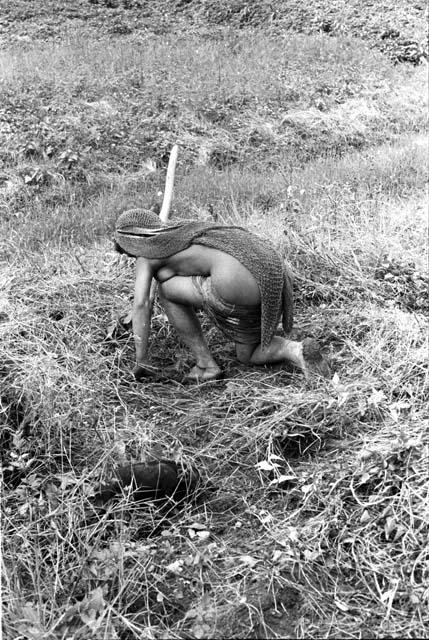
(117,247)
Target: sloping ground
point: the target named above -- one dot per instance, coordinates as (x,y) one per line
(397,27)
(240,102)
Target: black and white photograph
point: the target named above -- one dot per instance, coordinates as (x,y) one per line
(214,301)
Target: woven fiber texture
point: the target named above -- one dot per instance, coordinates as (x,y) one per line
(142,234)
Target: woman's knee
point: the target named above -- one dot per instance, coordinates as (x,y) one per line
(180,289)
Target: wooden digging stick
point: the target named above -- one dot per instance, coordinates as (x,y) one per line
(164,215)
(166,203)
(169,183)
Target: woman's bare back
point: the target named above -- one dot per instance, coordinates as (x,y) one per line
(233,282)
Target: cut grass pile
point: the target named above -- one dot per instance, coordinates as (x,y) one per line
(314,514)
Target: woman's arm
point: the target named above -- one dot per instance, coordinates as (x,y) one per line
(142,313)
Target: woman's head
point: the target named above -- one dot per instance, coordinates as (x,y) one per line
(131,224)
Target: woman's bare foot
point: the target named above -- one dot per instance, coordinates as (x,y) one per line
(204,374)
(312,361)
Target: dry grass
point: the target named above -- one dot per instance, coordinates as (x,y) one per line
(317,522)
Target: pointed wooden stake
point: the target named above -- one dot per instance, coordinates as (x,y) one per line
(166,203)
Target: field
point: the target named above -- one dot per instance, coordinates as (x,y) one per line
(311,514)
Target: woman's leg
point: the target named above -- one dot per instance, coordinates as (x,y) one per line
(305,355)
(180,298)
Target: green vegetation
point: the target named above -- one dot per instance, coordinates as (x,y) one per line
(315,519)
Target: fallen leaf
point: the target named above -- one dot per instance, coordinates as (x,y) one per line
(111,330)
(365,454)
(264,465)
(282,478)
(343,397)
(149,165)
(197,526)
(311,555)
(203,534)
(306,488)
(248,561)
(335,379)
(389,526)
(365,517)
(365,477)
(341,605)
(175,567)
(376,397)
(266,519)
